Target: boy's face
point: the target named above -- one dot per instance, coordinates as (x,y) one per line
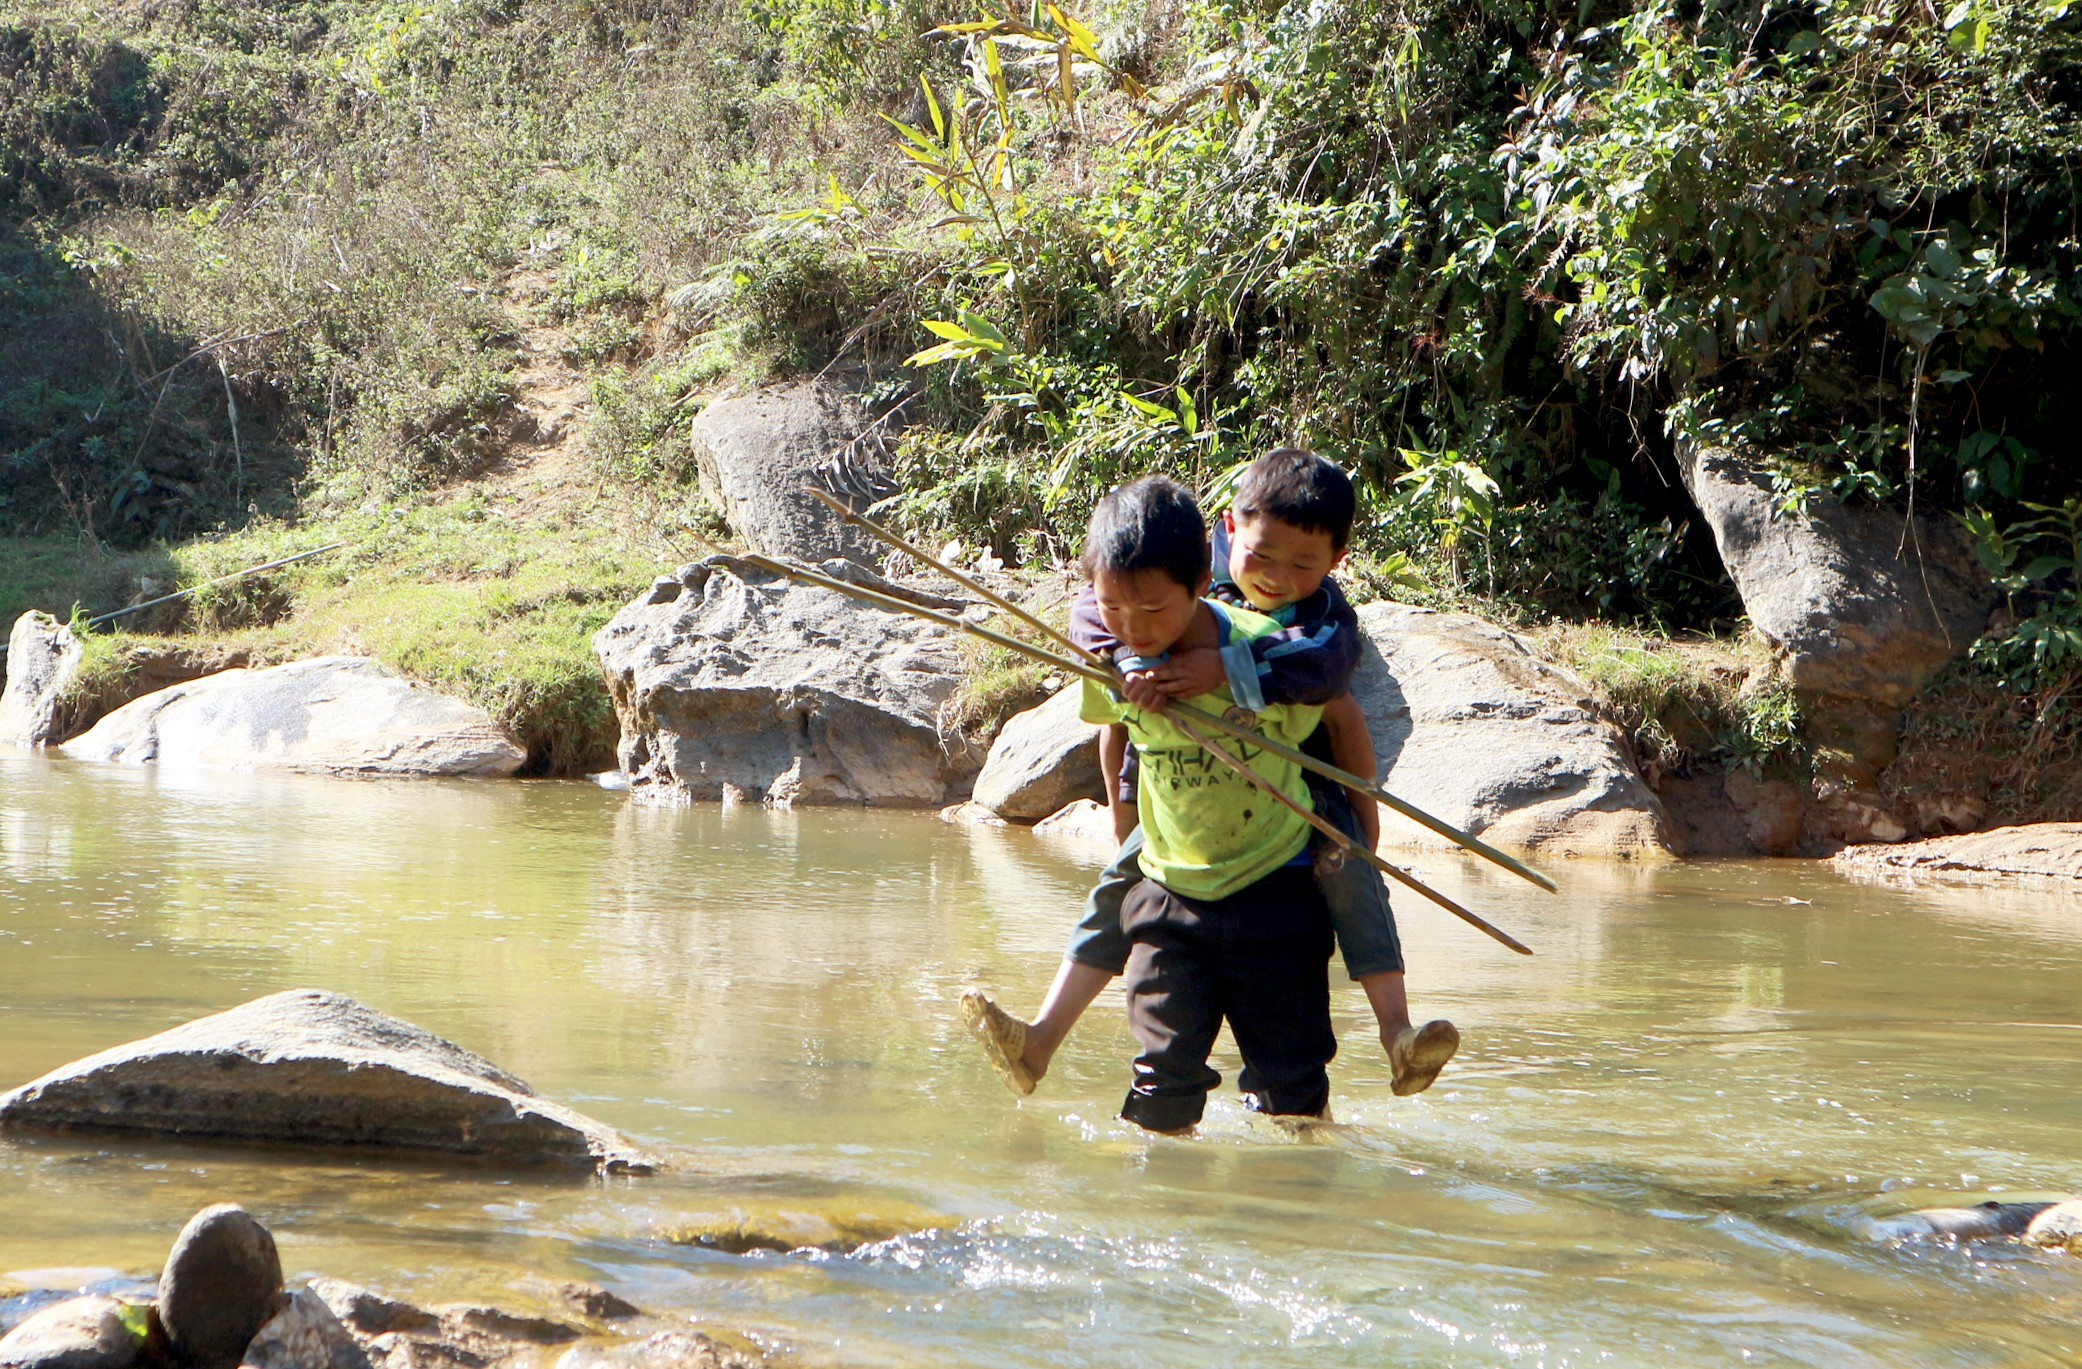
(1275,563)
(1146,610)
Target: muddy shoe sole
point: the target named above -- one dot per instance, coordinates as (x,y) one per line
(1420,1053)
(1004,1039)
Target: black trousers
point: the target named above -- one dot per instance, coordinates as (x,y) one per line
(1261,959)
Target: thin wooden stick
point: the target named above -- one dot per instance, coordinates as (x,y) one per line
(1351,848)
(1464,840)
(1112,679)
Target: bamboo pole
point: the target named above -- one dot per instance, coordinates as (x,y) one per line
(1464,840)
(98,620)
(1112,679)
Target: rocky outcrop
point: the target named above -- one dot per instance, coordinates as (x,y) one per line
(1474,729)
(341,715)
(310,1068)
(1042,759)
(1863,606)
(1858,602)
(43,661)
(754,454)
(2045,850)
(222,1282)
(732,683)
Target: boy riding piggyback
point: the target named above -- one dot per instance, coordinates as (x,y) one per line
(1286,530)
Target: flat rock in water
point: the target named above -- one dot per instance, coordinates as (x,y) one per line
(43,661)
(306,1067)
(835,1226)
(80,1333)
(970,814)
(222,1282)
(1984,1221)
(341,715)
(1085,822)
(1042,759)
(304,1335)
(665,1350)
(1477,731)
(733,683)
(2042,850)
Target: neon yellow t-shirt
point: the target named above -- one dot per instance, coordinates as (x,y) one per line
(1207,831)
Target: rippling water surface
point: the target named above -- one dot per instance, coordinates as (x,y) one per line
(1657,1147)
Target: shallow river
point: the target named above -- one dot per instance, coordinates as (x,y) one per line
(1656,1149)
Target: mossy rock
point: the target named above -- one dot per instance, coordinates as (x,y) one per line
(835,1225)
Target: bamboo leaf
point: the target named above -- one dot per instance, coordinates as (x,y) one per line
(1081,37)
(932,102)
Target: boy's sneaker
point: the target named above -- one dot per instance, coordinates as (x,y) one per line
(1418,1054)
(1004,1039)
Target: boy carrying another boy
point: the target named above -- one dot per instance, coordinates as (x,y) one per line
(1287,529)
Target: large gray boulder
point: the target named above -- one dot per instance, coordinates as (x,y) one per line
(734,683)
(1859,602)
(310,1068)
(754,453)
(43,661)
(1474,729)
(329,715)
(1042,759)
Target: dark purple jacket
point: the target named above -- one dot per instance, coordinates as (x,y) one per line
(1309,661)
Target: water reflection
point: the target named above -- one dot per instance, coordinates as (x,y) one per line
(1659,1146)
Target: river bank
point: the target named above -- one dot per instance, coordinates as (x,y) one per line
(493,592)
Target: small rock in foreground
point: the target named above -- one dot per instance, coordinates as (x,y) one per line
(304,1335)
(80,1333)
(221,1284)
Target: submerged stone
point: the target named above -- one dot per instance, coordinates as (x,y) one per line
(838,1226)
(311,1068)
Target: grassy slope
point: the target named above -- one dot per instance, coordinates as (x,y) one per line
(493,610)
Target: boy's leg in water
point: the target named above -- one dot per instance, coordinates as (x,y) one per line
(1174,1008)
(1021,1051)
(1365,925)
(1275,991)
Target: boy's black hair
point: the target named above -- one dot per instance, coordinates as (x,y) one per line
(1301,488)
(1151,524)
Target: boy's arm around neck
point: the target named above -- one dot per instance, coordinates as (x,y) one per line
(1312,660)
(1087,629)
